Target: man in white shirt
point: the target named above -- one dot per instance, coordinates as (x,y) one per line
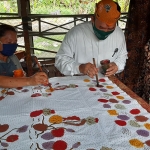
(100,38)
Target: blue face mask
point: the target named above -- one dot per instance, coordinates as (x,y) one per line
(9,49)
(101,35)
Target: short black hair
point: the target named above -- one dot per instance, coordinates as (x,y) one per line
(5,27)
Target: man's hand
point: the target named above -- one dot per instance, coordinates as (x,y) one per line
(113,68)
(88,69)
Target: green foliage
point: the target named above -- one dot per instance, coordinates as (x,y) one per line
(64,6)
(124,4)
(3,9)
(69,7)
(8,6)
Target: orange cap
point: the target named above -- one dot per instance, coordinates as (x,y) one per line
(106,11)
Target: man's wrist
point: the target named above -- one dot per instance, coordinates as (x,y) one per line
(81,68)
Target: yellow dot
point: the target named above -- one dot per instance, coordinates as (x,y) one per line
(109,87)
(86,80)
(120,97)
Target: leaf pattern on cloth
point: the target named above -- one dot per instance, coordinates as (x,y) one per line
(4,127)
(119,106)
(133,123)
(47,136)
(126,131)
(22,129)
(76,145)
(106,148)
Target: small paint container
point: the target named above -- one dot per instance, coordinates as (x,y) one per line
(18,73)
(104,65)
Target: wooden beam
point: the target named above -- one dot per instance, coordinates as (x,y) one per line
(25,23)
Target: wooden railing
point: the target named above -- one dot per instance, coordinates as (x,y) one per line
(52,28)
(26,29)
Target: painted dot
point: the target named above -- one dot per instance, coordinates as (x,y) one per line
(92,89)
(25,90)
(109,87)
(19,88)
(120,122)
(120,97)
(112,112)
(103,90)
(143,133)
(103,100)
(123,117)
(102,80)
(113,100)
(141,118)
(86,80)
(135,111)
(137,143)
(36,95)
(100,86)
(47,90)
(115,93)
(91,85)
(106,106)
(147,142)
(147,126)
(126,101)
(94,80)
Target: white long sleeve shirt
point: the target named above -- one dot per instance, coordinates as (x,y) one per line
(80,46)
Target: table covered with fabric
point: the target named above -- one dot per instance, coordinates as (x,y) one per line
(77,115)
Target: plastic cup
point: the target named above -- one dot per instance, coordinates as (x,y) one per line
(18,73)
(104,65)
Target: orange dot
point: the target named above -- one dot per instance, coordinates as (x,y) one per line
(120,97)
(86,80)
(112,112)
(55,119)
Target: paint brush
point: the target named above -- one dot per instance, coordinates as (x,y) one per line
(51,89)
(96,74)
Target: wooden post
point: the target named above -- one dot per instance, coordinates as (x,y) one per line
(26,28)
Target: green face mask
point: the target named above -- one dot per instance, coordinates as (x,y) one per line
(101,35)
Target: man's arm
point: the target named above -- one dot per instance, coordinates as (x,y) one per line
(64,60)
(122,57)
